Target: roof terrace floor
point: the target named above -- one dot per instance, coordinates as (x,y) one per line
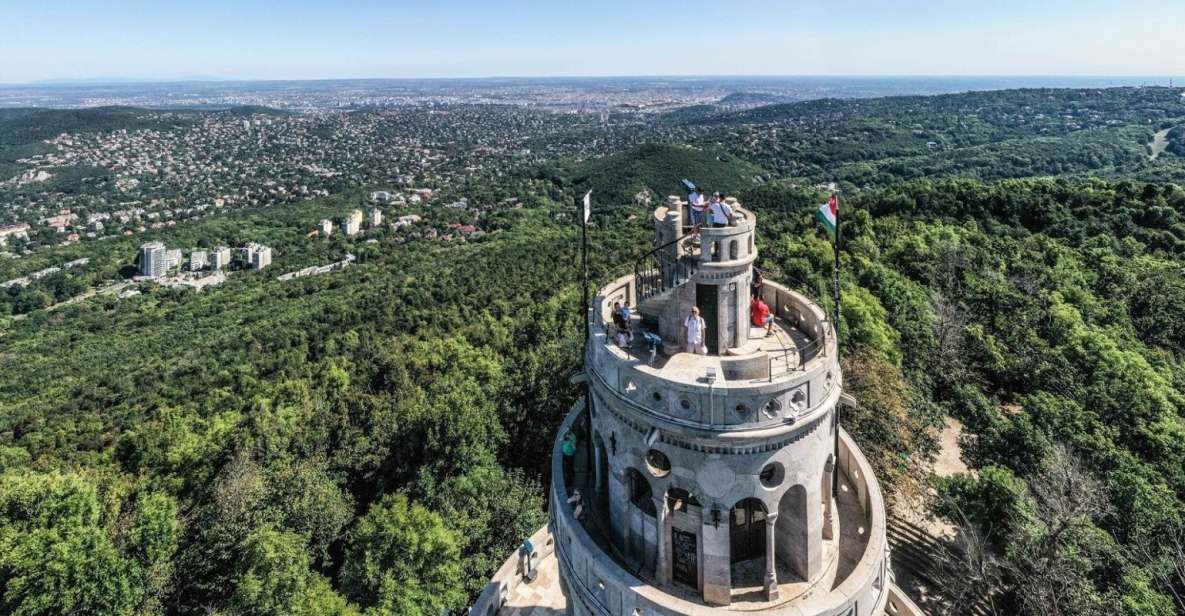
(787,347)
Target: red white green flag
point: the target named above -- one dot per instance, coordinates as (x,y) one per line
(828,213)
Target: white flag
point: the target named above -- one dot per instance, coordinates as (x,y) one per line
(587,205)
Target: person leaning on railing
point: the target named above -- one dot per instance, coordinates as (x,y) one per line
(720,212)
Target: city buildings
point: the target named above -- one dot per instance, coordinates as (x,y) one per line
(376,218)
(350,226)
(152,260)
(256,256)
(219,258)
(326,227)
(173,258)
(198,260)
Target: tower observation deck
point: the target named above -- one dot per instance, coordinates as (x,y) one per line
(704,483)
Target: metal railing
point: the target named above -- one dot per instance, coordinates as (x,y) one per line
(659,270)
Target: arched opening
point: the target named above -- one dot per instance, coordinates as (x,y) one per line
(641,496)
(732,250)
(747,546)
(747,530)
(679,500)
(715,251)
(601,472)
(792,536)
(641,520)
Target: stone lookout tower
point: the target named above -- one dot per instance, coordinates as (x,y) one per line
(714,483)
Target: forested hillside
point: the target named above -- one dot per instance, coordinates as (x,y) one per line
(375,441)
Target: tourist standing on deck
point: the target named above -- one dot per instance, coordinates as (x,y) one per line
(697,206)
(694,328)
(721,212)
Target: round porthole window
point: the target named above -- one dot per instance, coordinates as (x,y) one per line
(685,404)
(743,411)
(658,463)
(656,396)
(772,475)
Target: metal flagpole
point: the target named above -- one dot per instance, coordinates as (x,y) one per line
(584,214)
(835,324)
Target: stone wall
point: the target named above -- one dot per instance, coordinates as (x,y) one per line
(511,574)
(598,585)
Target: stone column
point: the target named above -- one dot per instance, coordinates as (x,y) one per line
(662,565)
(598,486)
(828,498)
(716,557)
(771,562)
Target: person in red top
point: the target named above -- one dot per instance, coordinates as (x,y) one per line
(759,314)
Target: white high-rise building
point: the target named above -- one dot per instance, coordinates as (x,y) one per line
(350,226)
(376,218)
(173,258)
(326,227)
(257,256)
(197,260)
(219,258)
(152,260)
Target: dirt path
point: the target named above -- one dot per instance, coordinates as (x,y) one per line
(1160,141)
(948,462)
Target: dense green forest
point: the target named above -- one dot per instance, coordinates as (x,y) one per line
(375,441)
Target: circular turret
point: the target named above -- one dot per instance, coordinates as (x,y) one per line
(718,481)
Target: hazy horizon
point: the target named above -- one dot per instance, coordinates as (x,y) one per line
(249,40)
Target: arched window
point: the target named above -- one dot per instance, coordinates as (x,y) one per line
(715,251)
(732,250)
(679,499)
(641,495)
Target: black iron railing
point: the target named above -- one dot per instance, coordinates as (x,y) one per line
(660,270)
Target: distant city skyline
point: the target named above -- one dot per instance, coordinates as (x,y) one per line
(90,41)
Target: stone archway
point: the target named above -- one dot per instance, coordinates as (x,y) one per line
(751,554)
(746,534)
(600,472)
(641,542)
(792,531)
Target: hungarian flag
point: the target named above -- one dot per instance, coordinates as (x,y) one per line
(587,205)
(828,214)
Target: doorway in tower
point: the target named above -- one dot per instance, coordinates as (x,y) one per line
(641,542)
(747,545)
(706,299)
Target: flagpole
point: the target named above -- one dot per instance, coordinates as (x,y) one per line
(584,212)
(835,324)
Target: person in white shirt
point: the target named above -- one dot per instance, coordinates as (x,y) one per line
(697,206)
(694,328)
(721,211)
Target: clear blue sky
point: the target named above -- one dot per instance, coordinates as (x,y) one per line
(299,39)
